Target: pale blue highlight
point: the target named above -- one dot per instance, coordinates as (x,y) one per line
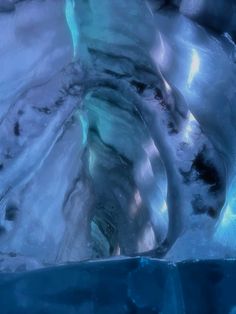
(226,229)
(84,124)
(72,24)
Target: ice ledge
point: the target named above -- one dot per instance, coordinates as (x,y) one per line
(123,285)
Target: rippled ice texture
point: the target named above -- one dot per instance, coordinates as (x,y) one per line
(117,130)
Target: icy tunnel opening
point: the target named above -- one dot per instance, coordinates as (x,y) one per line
(111,136)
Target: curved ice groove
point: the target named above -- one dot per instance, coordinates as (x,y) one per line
(206,68)
(72,24)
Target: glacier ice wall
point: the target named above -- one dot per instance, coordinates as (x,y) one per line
(117,128)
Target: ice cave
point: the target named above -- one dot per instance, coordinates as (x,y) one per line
(117,156)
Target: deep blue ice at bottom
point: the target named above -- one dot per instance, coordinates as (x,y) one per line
(129,285)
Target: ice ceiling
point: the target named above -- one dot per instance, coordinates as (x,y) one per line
(117,129)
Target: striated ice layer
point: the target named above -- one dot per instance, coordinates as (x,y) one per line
(117,130)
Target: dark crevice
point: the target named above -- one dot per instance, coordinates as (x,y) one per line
(140,87)
(207,172)
(17,129)
(204,170)
(45,110)
(11,213)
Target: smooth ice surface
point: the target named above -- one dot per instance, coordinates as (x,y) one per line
(123,286)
